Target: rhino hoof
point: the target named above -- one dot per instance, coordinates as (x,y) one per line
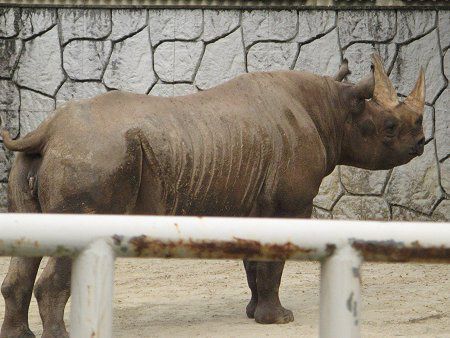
(277,315)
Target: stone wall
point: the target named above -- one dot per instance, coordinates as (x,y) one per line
(49,56)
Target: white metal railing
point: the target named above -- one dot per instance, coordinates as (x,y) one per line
(94,241)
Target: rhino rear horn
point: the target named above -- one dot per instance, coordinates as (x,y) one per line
(384,92)
(416,99)
(364,89)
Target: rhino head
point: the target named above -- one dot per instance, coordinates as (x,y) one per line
(384,132)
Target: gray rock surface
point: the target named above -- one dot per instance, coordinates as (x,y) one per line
(39,66)
(403,214)
(359,58)
(71,90)
(218,23)
(422,52)
(441,212)
(428,123)
(34,108)
(266,56)
(130,66)
(321,214)
(9,106)
(9,53)
(330,56)
(9,21)
(442,124)
(377,26)
(169,90)
(222,60)
(312,23)
(329,192)
(177,61)
(361,207)
(84,23)
(3,199)
(86,59)
(415,185)
(444,28)
(361,181)
(126,22)
(34,21)
(6,157)
(412,24)
(170,24)
(263,25)
(447,63)
(445,175)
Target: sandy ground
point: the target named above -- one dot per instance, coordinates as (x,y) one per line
(186,298)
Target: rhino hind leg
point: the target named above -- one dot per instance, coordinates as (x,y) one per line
(269,309)
(17,287)
(250,270)
(52,291)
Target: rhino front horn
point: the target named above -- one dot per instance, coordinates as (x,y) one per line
(416,100)
(384,92)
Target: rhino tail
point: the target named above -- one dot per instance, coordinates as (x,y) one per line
(32,143)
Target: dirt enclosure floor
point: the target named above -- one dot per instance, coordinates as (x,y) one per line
(189,298)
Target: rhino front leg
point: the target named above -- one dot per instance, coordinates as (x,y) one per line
(268,309)
(17,289)
(52,292)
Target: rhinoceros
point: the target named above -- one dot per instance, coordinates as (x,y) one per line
(258,145)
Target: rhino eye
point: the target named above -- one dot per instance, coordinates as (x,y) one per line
(390,126)
(419,121)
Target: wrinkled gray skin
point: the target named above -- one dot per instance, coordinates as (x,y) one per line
(258,145)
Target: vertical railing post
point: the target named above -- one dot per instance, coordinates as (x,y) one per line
(340,304)
(92,292)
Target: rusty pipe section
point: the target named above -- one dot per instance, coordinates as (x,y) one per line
(220,237)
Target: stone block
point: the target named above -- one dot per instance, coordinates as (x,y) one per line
(361,181)
(169,90)
(402,214)
(126,22)
(219,23)
(6,158)
(86,59)
(84,24)
(71,90)
(175,24)
(264,25)
(34,21)
(222,61)
(413,23)
(3,197)
(423,52)
(330,56)
(442,212)
(9,53)
(360,60)
(366,25)
(266,56)
(312,23)
(444,28)
(361,208)
(442,124)
(39,66)
(9,21)
(445,175)
(130,65)
(34,108)
(9,107)
(329,192)
(177,61)
(415,185)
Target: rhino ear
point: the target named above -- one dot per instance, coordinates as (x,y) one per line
(416,100)
(384,92)
(364,89)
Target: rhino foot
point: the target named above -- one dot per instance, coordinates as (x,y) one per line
(55,333)
(273,315)
(16,333)
(251,307)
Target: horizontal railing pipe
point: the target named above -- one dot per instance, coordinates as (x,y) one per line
(218,237)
